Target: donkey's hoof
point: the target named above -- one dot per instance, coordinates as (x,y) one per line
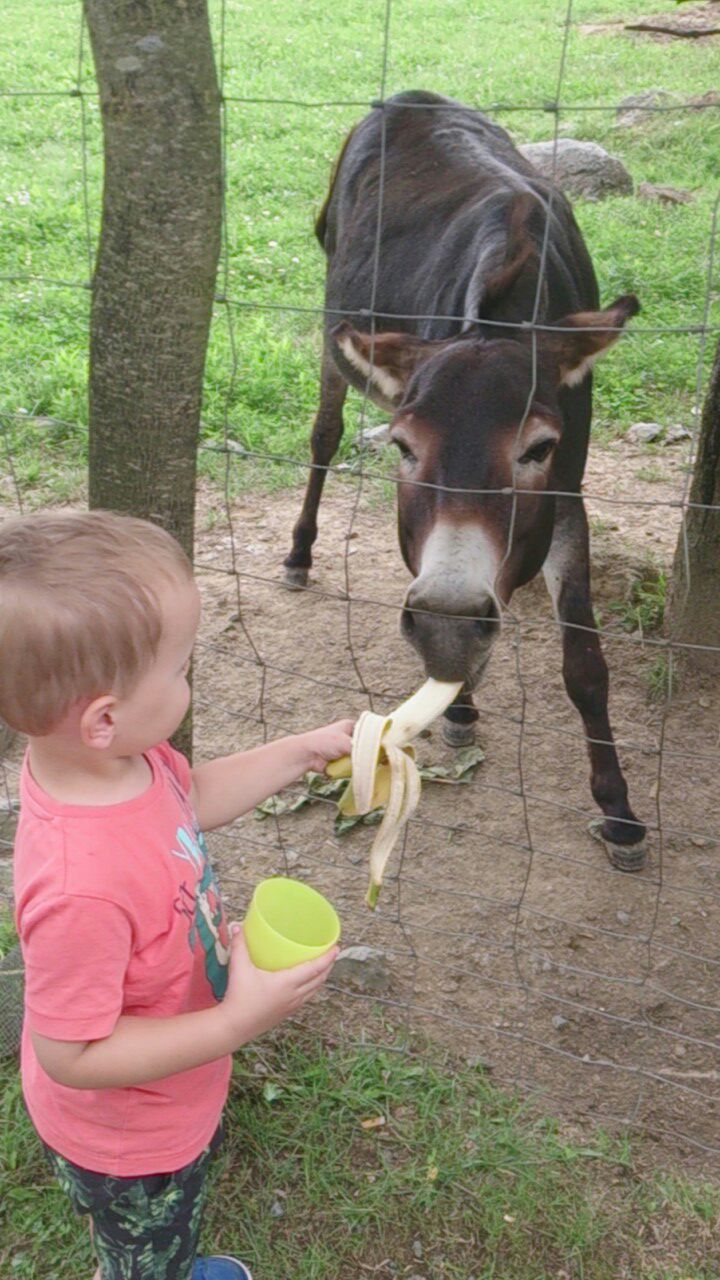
(296,578)
(627,857)
(624,857)
(457,734)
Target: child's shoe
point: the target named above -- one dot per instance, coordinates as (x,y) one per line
(220,1268)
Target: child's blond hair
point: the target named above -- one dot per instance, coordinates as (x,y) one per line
(79,609)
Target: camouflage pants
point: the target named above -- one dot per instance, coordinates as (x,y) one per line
(143,1228)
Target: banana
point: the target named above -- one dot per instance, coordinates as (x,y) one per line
(382,769)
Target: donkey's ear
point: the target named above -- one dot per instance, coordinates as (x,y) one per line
(386,360)
(588,334)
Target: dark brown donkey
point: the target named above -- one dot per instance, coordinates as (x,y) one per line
(492,421)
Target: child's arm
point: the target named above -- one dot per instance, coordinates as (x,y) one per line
(144,1049)
(224,789)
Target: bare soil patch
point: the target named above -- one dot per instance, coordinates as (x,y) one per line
(696,22)
(506,931)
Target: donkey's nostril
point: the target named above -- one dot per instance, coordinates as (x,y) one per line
(486,621)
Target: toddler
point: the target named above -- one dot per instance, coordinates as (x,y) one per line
(136,992)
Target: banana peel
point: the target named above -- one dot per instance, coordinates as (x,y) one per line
(382,769)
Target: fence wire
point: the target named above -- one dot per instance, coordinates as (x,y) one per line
(616,1023)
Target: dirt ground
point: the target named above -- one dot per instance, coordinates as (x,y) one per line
(507,935)
(506,932)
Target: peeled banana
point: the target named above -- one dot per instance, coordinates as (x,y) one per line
(382,769)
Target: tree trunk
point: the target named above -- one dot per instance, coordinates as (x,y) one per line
(157,261)
(694,610)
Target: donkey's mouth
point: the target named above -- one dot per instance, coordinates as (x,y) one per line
(453,648)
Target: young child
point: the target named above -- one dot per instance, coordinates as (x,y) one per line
(136,995)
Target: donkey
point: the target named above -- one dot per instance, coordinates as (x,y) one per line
(473,317)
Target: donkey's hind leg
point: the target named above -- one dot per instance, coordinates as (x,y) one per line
(326,434)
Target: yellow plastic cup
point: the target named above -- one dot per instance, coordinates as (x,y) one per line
(288,922)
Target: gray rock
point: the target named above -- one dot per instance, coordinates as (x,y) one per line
(638,107)
(622,917)
(644,432)
(363,967)
(675,434)
(582,169)
(374,437)
(417,1248)
(559,1022)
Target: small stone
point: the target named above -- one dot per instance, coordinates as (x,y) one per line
(622,917)
(679,1050)
(699,841)
(475,1061)
(355,858)
(643,432)
(363,967)
(417,1248)
(374,437)
(638,107)
(675,434)
(559,1022)
(277,1209)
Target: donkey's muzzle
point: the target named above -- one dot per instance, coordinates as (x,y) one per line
(452,647)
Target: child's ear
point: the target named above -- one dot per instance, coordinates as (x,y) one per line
(97,723)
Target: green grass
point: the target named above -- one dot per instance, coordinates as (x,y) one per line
(303,1189)
(643,608)
(279,159)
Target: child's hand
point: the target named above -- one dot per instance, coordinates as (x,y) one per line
(256,1001)
(326,744)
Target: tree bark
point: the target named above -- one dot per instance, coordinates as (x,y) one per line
(694,608)
(155,274)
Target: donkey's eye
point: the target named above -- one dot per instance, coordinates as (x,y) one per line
(540,451)
(405,452)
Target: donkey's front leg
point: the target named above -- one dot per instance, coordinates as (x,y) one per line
(567,574)
(460,721)
(327,430)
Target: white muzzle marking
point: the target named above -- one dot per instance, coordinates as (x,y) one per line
(458,568)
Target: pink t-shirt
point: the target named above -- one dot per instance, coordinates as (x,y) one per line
(118,913)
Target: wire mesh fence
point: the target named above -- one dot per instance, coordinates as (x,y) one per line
(502,930)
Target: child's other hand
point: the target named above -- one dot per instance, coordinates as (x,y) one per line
(256,1001)
(326,744)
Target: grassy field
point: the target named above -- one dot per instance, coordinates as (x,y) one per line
(279,158)
(342,1163)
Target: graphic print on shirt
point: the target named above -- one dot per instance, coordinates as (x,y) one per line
(206,914)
